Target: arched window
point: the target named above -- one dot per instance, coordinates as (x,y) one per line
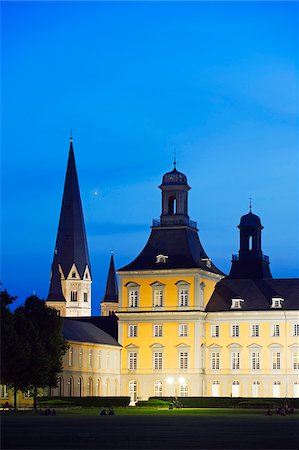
(99,387)
(256,389)
(70,356)
(70,386)
(250,243)
(107,387)
(276,389)
(236,389)
(80,387)
(158,388)
(90,387)
(60,386)
(171,205)
(215,389)
(183,390)
(133,391)
(296,389)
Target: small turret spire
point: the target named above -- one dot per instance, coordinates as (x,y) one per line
(250,203)
(111,293)
(174,159)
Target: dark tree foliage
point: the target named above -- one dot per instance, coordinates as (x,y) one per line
(32,345)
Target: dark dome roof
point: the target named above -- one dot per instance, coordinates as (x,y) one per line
(174,177)
(250,220)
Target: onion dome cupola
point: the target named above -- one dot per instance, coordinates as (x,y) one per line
(250,262)
(174,189)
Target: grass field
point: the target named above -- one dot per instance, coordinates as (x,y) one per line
(150,428)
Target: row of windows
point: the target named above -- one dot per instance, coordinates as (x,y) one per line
(254,330)
(183,360)
(159,294)
(256,387)
(158,330)
(158,389)
(95,358)
(74,296)
(255,361)
(91,387)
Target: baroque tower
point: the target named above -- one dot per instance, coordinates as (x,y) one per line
(70,287)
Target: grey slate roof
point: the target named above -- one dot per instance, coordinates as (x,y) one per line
(256,293)
(180,244)
(111,293)
(71,243)
(76,330)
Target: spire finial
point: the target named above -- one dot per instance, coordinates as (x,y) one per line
(250,203)
(71,135)
(174,159)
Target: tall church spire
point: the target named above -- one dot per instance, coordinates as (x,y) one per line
(71,251)
(110,300)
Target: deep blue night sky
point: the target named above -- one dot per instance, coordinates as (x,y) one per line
(216,81)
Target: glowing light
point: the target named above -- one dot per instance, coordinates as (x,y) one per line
(182,381)
(169,380)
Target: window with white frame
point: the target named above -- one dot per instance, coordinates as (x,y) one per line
(235,360)
(158,297)
(132,330)
(183,360)
(183,293)
(99,359)
(133,391)
(4,391)
(90,357)
(295,360)
(215,360)
(157,360)
(183,330)
(70,354)
(158,330)
(132,360)
(275,330)
(236,303)
(255,330)
(296,329)
(108,360)
(183,390)
(276,388)
(255,360)
(133,298)
(235,331)
(256,389)
(277,302)
(158,388)
(215,331)
(74,296)
(85,296)
(216,389)
(276,360)
(80,357)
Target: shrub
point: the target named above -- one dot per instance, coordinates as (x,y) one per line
(84,401)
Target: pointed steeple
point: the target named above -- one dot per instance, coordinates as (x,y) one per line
(71,243)
(111,293)
(55,291)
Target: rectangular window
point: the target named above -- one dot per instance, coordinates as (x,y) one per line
(296,360)
(215,360)
(132,360)
(276,360)
(27,393)
(255,330)
(183,360)
(235,360)
(4,391)
(90,357)
(74,296)
(183,330)
(108,360)
(255,361)
(99,359)
(215,331)
(85,297)
(158,330)
(158,360)
(132,331)
(133,299)
(158,297)
(275,329)
(80,357)
(70,356)
(296,329)
(183,297)
(235,331)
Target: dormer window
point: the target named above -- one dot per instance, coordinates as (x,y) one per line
(236,303)
(277,303)
(207,261)
(161,259)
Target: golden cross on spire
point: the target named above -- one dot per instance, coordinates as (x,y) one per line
(71,135)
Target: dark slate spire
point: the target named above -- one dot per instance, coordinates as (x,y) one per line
(55,292)
(111,293)
(71,243)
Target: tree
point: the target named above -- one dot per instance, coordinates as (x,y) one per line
(47,345)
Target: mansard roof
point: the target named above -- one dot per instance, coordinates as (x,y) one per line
(81,331)
(111,293)
(256,293)
(71,243)
(180,245)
